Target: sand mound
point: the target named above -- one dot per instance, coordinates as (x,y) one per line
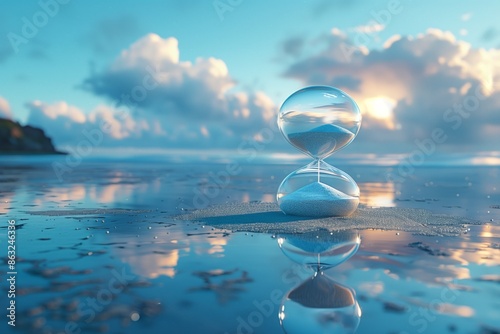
(318,200)
(267,218)
(321,140)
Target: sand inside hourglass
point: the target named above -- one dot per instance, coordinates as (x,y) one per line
(318,199)
(322,140)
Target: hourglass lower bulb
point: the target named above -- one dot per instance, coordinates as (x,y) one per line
(319,120)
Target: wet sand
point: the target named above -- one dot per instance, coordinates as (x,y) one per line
(261,217)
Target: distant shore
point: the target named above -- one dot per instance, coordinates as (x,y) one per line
(17,139)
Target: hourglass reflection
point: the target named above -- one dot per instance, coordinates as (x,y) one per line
(319,120)
(319,304)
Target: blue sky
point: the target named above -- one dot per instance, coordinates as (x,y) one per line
(269,49)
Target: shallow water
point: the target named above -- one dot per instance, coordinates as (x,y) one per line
(99,251)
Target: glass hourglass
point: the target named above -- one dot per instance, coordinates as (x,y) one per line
(319,304)
(319,120)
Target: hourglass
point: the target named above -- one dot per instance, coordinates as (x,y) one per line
(319,120)
(319,304)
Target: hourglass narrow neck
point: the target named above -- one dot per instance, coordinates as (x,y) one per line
(319,174)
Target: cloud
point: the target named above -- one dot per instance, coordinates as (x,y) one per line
(67,124)
(466,17)
(108,34)
(160,102)
(369,28)
(406,89)
(120,124)
(293,46)
(186,101)
(60,121)
(5,109)
(490,34)
(150,73)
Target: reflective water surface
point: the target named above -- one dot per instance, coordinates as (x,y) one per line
(100,252)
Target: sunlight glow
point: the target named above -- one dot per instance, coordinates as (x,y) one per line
(378,194)
(381,108)
(486,161)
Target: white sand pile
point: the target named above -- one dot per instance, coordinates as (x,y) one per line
(318,200)
(267,218)
(322,140)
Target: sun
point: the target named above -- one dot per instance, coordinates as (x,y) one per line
(381,108)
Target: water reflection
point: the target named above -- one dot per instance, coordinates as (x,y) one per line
(157,251)
(156,264)
(378,194)
(320,304)
(320,250)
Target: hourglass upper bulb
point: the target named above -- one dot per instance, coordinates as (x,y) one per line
(319,120)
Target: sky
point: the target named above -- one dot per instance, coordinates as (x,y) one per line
(205,74)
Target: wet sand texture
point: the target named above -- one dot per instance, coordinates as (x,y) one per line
(267,218)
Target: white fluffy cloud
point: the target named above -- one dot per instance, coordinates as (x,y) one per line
(67,124)
(407,88)
(59,120)
(5,109)
(161,101)
(185,100)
